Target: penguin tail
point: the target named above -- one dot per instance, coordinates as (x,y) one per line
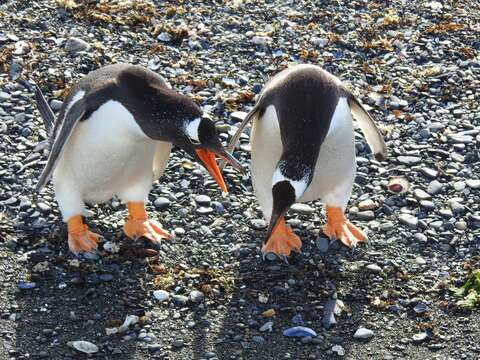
(369,128)
(45,110)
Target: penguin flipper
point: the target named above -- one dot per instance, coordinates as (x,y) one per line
(72,117)
(369,128)
(236,137)
(45,110)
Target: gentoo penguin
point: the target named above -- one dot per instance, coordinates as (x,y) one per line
(303,149)
(113,136)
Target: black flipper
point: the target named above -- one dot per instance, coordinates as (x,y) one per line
(47,114)
(72,117)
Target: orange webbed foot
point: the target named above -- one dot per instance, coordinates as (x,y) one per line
(282,241)
(80,239)
(338,227)
(137,224)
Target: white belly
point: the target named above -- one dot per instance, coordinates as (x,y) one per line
(105,155)
(335,168)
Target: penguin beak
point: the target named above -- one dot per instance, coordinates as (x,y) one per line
(283,197)
(208,159)
(274,222)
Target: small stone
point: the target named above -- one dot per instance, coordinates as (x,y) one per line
(106,277)
(268,326)
(161,295)
(180,300)
(258,339)
(473,183)
(461,225)
(421,194)
(434,187)
(420,337)
(203,200)
(196,296)
(408,220)
(268,313)
(26,285)
(339,350)
(420,308)
(75,45)
(154,347)
(322,244)
(161,203)
(177,343)
(420,261)
(367,205)
(204,210)
(302,209)
(374,268)
(258,224)
(366,215)
(164,37)
(409,160)
(363,333)
(430,173)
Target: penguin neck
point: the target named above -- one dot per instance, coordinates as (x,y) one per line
(299,183)
(191,128)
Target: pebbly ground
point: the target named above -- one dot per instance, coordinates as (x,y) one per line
(415,64)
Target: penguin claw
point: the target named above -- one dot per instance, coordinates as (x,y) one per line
(281,243)
(148,229)
(338,227)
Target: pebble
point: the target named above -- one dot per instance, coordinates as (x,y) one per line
(322,244)
(26,285)
(420,308)
(196,296)
(161,295)
(302,209)
(299,331)
(430,173)
(421,194)
(180,299)
(161,203)
(75,45)
(268,326)
(473,183)
(374,268)
(177,343)
(363,333)
(409,160)
(365,215)
(203,200)
(420,261)
(434,187)
(420,337)
(258,339)
(408,220)
(258,224)
(339,350)
(366,205)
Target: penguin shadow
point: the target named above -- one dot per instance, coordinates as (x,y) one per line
(64,298)
(272,296)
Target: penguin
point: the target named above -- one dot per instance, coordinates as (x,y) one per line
(113,136)
(303,149)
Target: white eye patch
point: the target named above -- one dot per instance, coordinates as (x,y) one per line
(191,129)
(299,185)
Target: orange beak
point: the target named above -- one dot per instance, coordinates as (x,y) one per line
(208,159)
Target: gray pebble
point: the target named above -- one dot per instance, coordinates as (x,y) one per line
(75,45)
(322,244)
(180,299)
(302,209)
(409,160)
(203,200)
(408,220)
(363,333)
(196,296)
(434,187)
(374,268)
(161,203)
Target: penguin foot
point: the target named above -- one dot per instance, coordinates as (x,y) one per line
(338,227)
(80,239)
(149,229)
(138,225)
(281,243)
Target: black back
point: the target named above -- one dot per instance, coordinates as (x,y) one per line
(158,110)
(305,98)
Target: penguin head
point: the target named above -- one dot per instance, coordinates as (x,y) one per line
(285,192)
(203,144)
